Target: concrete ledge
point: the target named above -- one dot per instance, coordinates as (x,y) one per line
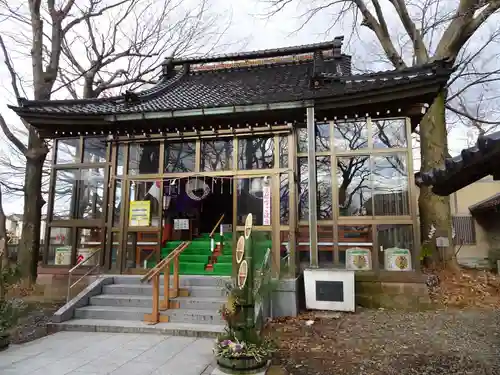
(82,299)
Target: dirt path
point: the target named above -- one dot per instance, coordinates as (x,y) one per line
(376,342)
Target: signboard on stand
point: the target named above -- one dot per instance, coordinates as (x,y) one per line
(397,259)
(266,205)
(181,224)
(140,212)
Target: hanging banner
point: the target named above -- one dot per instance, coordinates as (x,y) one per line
(140,212)
(266,205)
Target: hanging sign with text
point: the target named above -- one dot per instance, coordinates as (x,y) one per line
(140,213)
(266,205)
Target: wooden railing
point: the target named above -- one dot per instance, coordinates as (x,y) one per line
(154,275)
(212,233)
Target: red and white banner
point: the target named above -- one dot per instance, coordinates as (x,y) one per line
(266,205)
(155,191)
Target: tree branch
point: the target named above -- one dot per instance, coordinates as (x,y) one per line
(11,137)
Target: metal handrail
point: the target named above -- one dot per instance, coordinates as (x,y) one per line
(216,225)
(70,272)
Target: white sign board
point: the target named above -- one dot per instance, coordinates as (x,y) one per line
(358,259)
(398,259)
(442,242)
(266,205)
(181,224)
(226,228)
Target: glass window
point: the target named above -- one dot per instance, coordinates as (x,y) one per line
(120,160)
(302,140)
(150,193)
(351,135)
(216,155)
(115,246)
(323,137)
(393,235)
(256,153)
(60,246)
(302,248)
(324,187)
(89,241)
(180,157)
(117,205)
(354,188)
(283,150)
(91,193)
(325,246)
(68,151)
(303,192)
(350,236)
(144,158)
(65,193)
(389,133)
(284,199)
(255,199)
(94,150)
(390,185)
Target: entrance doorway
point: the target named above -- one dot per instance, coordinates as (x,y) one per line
(201,201)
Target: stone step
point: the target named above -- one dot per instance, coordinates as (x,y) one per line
(127,326)
(137,314)
(147,290)
(199,303)
(193,316)
(184,280)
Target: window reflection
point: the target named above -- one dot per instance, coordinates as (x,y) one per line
(284,199)
(390,185)
(147,191)
(120,159)
(251,199)
(389,133)
(303,189)
(324,186)
(302,140)
(91,194)
(217,155)
(283,150)
(94,150)
(353,176)
(256,153)
(78,193)
(117,205)
(323,137)
(68,151)
(144,158)
(180,157)
(60,246)
(351,135)
(89,241)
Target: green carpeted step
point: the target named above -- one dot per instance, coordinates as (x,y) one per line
(225,258)
(223,268)
(187,258)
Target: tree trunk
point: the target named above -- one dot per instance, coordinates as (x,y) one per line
(29,246)
(3,249)
(435,210)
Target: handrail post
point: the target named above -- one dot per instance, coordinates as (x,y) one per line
(166,287)
(156,299)
(176,277)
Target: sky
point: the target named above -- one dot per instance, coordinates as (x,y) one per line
(251,30)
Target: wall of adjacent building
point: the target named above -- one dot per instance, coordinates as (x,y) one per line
(474,250)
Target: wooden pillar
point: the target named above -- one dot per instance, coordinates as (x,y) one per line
(312,188)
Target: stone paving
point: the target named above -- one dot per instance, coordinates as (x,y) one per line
(82,353)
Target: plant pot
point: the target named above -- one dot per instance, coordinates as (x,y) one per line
(4,341)
(241,365)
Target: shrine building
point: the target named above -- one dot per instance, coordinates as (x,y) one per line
(319,155)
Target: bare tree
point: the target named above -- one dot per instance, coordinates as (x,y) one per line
(86,49)
(429,30)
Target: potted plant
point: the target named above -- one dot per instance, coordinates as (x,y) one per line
(240,349)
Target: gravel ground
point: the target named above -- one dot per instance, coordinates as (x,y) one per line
(376,342)
(33,324)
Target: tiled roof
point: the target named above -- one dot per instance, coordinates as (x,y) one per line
(486,205)
(470,166)
(257,84)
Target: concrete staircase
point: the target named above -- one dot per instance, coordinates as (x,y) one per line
(123,301)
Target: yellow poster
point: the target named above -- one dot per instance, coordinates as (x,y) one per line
(140,212)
